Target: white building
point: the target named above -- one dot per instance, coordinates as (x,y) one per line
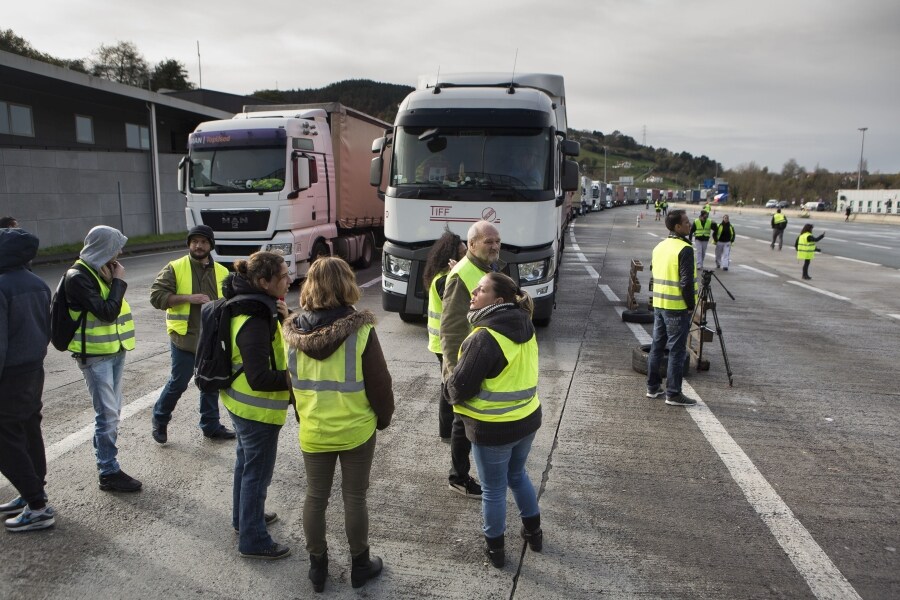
(868,201)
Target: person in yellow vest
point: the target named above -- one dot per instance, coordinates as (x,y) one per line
(180,289)
(657,206)
(95,285)
(723,238)
(481,257)
(674,297)
(493,389)
(443,256)
(343,393)
(701,230)
(806,247)
(779,224)
(259,396)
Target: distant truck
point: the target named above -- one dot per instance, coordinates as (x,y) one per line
(477,146)
(293,178)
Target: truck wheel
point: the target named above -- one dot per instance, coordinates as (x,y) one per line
(637,316)
(410,317)
(639,361)
(368,252)
(541,322)
(320,248)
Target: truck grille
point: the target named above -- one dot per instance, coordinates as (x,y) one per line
(236,220)
(234,250)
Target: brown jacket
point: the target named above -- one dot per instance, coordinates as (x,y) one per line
(454,316)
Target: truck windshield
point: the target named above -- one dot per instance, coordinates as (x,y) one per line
(224,170)
(456,157)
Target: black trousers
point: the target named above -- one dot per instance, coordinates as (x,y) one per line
(22,458)
(451,425)
(806,267)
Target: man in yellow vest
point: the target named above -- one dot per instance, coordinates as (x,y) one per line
(180,289)
(481,257)
(96,285)
(701,230)
(779,224)
(674,296)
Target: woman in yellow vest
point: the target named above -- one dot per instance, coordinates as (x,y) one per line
(494,390)
(448,249)
(343,393)
(806,247)
(259,396)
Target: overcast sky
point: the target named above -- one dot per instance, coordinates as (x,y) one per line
(735,80)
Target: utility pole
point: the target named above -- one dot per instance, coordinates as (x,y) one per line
(605,180)
(861,147)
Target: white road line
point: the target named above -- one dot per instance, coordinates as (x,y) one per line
(653,234)
(763,241)
(856,260)
(575,247)
(607,291)
(761,272)
(581,257)
(895,316)
(831,239)
(639,332)
(370,283)
(874,246)
(751,227)
(592,272)
(825,292)
(744,237)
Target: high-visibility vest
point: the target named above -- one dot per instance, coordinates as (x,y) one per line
(244,401)
(779,219)
(102,337)
(177,316)
(702,230)
(511,395)
(334,410)
(666,281)
(806,246)
(719,229)
(707,208)
(657,205)
(468,272)
(435,308)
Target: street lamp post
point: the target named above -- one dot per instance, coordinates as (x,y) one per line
(605,180)
(861,147)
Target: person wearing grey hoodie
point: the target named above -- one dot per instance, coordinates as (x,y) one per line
(96,285)
(24,335)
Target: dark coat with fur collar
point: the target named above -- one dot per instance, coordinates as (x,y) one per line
(318,334)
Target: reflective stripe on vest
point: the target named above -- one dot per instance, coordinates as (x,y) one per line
(666,281)
(103,337)
(334,410)
(702,230)
(512,395)
(435,308)
(244,401)
(177,316)
(806,246)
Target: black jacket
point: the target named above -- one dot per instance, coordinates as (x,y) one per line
(83,293)
(24,304)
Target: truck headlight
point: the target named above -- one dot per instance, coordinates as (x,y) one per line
(396,267)
(532,272)
(285,249)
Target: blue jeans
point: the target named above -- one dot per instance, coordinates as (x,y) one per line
(670,330)
(182,373)
(257,446)
(499,466)
(103,376)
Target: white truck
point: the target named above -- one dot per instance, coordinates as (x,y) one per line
(293,178)
(470,147)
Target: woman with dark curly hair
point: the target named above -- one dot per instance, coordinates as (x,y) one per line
(443,255)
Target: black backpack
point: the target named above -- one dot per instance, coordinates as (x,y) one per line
(62,326)
(212,362)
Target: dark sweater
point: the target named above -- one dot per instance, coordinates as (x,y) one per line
(24,304)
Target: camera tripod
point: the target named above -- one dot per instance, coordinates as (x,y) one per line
(705,302)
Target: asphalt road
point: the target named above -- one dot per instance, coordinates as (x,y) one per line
(784,485)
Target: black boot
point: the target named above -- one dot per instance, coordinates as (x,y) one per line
(493,549)
(364,569)
(531,532)
(318,571)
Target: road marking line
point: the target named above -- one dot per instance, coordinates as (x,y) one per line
(856,260)
(581,257)
(592,272)
(575,246)
(744,237)
(831,239)
(763,241)
(752,227)
(874,246)
(607,291)
(761,272)
(653,234)
(639,332)
(895,316)
(369,283)
(825,292)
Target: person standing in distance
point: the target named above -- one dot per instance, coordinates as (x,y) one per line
(701,230)
(723,238)
(96,284)
(481,257)
(180,289)
(806,247)
(674,297)
(24,335)
(779,224)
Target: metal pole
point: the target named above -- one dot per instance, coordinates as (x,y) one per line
(605,180)
(121,210)
(861,147)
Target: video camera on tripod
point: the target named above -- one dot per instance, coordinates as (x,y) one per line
(705,302)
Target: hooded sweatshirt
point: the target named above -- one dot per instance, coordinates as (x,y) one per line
(482,358)
(24,304)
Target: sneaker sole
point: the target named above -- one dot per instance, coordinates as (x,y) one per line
(679,403)
(464,492)
(265,557)
(32,526)
(656,395)
(110,488)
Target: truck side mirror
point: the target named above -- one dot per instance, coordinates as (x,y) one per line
(304,171)
(375,170)
(569,178)
(570,148)
(184,171)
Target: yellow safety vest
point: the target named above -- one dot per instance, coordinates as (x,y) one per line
(468,272)
(435,308)
(779,218)
(701,229)
(806,246)
(102,337)
(707,208)
(512,395)
(177,316)
(334,410)
(719,228)
(666,282)
(244,401)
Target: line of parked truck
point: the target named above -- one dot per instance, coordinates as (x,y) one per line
(599,195)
